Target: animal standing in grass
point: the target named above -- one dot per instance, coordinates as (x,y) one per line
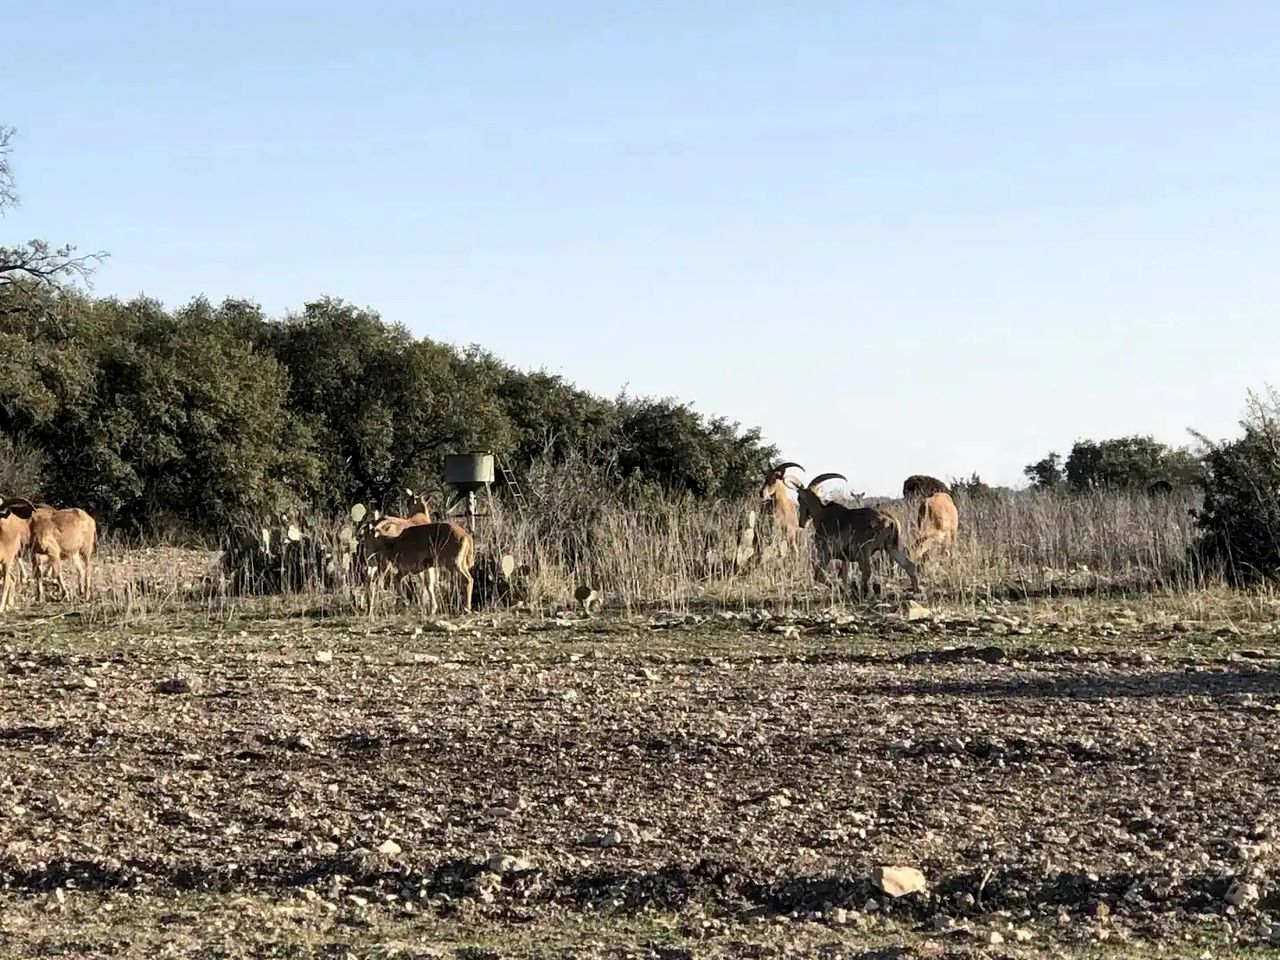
(853,534)
(775,492)
(15,534)
(423,548)
(937,522)
(57,535)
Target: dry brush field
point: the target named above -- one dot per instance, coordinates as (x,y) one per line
(704,775)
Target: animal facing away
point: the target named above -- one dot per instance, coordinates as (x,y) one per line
(58,535)
(15,534)
(937,522)
(920,485)
(853,534)
(423,548)
(774,492)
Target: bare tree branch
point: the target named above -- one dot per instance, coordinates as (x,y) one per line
(8,197)
(36,261)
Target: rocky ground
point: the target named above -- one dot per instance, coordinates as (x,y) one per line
(664,787)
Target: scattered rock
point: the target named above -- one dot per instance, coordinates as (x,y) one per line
(995,938)
(502,864)
(389,848)
(898,881)
(608,838)
(324,656)
(441,626)
(1242,893)
(175,685)
(912,610)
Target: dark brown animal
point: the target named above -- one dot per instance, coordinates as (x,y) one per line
(919,486)
(853,534)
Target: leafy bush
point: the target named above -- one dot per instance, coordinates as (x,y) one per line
(1240,518)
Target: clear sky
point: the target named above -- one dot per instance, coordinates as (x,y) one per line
(901,237)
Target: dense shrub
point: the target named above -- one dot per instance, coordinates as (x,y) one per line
(1240,519)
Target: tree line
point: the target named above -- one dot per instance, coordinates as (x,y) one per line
(207,412)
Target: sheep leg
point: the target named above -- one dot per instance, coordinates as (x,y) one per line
(379,579)
(42,574)
(922,549)
(431,583)
(864,568)
(6,592)
(82,576)
(901,559)
(467,583)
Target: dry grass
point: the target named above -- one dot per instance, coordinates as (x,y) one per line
(675,553)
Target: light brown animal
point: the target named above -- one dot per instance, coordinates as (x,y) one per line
(58,535)
(393,526)
(853,534)
(937,522)
(774,492)
(423,548)
(15,534)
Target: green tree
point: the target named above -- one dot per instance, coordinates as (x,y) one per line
(384,408)
(668,443)
(975,488)
(550,417)
(1046,474)
(1129,462)
(145,415)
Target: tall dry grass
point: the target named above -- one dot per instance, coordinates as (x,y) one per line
(645,551)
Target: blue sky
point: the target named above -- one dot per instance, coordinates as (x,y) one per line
(900,237)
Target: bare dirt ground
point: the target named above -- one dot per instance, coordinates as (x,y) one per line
(665,787)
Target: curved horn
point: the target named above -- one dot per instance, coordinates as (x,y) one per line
(781,468)
(7,507)
(826,476)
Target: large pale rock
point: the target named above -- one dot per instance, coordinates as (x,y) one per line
(898,881)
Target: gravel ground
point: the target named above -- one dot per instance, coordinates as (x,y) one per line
(661,787)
